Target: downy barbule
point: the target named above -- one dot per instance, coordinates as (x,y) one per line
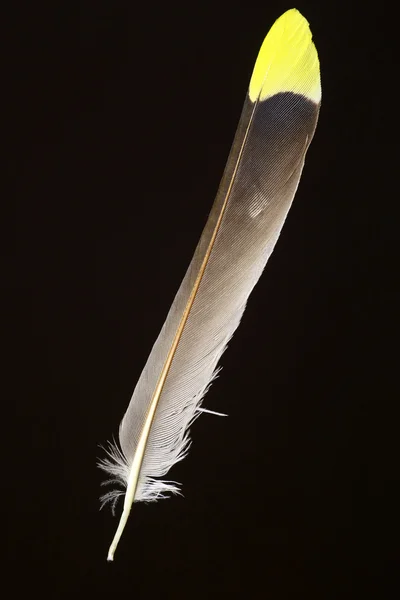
(276,126)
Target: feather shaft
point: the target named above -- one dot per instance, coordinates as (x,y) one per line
(138,460)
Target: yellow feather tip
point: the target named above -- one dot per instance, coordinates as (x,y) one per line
(287,61)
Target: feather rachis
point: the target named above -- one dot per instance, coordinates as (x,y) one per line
(182,443)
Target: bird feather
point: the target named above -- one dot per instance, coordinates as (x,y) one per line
(261,177)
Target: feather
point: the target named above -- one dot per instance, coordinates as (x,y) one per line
(261,177)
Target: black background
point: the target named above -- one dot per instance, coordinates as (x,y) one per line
(119,120)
